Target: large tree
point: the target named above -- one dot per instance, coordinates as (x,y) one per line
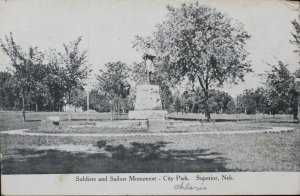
(201,44)
(74,65)
(98,101)
(252,101)
(194,100)
(282,90)
(296,41)
(28,71)
(9,92)
(296,34)
(113,83)
(55,80)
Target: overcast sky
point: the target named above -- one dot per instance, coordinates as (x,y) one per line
(108,27)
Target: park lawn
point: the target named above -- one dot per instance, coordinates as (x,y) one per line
(173,127)
(14,120)
(172,153)
(150,153)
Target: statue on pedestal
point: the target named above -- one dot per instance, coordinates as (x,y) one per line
(149,57)
(148,104)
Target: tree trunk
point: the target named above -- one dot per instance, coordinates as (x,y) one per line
(206,105)
(69,97)
(23,107)
(69,103)
(205,85)
(70,116)
(15,105)
(118,108)
(53,106)
(111,113)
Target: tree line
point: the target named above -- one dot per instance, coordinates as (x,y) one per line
(206,50)
(42,80)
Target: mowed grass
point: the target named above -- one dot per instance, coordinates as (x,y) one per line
(14,120)
(149,153)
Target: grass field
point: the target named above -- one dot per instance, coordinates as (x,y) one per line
(40,154)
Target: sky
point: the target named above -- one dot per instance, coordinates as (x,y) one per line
(108,28)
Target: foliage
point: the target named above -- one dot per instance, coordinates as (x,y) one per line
(219,101)
(98,101)
(29,70)
(252,101)
(207,46)
(296,35)
(193,101)
(113,83)
(177,104)
(74,65)
(232,108)
(282,90)
(55,82)
(9,92)
(42,80)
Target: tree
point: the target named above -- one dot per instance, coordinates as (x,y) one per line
(207,47)
(55,80)
(220,100)
(9,92)
(282,90)
(261,100)
(297,73)
(98,101)
(28,69)
(188,99)
(231,107)
(113,83)
(252,101)
(296,41)
(74,67)
(177,105)
(296,35)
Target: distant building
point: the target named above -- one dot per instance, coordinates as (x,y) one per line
(71,108)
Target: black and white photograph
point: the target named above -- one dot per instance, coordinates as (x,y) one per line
(149,86)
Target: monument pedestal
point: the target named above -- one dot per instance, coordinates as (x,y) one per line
(147,114)
(156,125)
(148,107)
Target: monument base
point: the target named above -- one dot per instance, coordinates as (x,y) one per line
(148,107)
(147,114)
(156,125)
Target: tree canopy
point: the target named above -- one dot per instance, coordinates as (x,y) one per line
(199,43)
(44,79)
(29,70)
(74,64)
(296,34)
(282,90)
(113,83)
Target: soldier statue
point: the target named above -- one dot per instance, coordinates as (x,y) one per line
(148,57)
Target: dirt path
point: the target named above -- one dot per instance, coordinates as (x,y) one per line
(23,132)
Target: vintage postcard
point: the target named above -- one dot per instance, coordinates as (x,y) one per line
(149,97)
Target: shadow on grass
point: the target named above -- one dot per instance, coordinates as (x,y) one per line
(136,158)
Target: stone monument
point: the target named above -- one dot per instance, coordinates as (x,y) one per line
(148,102)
